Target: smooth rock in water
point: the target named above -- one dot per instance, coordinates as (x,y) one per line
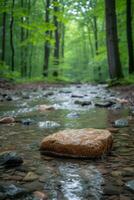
(40,195)
(130,185)
(27,121)
(12,191)
(83,103)
(77,96)
(7,120)
(48,124)
(78,143)
(43,108)
(8,98)
(10,159)
(31,176)
(73,115)
(104,104)
(120,123)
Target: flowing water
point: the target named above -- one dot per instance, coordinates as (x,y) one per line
(68,179)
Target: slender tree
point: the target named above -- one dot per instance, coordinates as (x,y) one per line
(11,36)
(115,69)
(46,47)
(3,34)
(129,36)
(56,36)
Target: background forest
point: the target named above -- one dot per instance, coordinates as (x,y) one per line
(74,40)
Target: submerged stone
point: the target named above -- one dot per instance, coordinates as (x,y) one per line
(104,104)
(73,115)
(10,159)
(11,191)
(87,142)
(48,124)
(130,185)
(44,107)
(120,123)
(83,103)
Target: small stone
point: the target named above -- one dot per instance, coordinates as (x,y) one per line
(83,103)
(7,120)
(111,190)
(48,124)
(116,173)
(27,122)
(77,96)
(12,191)
(120,123)
(43,108)
(40,195)
(8,98)
(10,159)
(130,185)
(104,104)
(113,130)
(73,115)
(31,176)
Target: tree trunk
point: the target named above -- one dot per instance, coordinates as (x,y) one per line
(3,35)
(22,48)
(62,40)
(11,36)
(115,69)
(129,36)
(46,47)
(57,38)
(95,34)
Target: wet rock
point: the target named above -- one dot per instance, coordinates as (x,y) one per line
(120,123)
(116,173)
(130,185)
(73,115)
(48,94)
(77,96)
(88,142)
(31,176)
(104,104)
(27,122)
(111,190)
(83,103)
(43,108)
(32,186)
(117,106)
(7,120)
(8,98)
(40,195)
(10,159)
(113,130)
(48,124)
(65,91)
(12,191)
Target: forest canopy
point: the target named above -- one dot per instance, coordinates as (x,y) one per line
(74,40)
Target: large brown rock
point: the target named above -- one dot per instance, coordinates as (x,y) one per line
(87,142)
(7,120)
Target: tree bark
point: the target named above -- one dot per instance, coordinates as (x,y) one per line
(129,36)
(115,69)
(46,47)
(22,48)
(11,36)
(95,34)
(57,38)
(3,35)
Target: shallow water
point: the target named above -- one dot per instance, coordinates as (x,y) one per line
(61,178)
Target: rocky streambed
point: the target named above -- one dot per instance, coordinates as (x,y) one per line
(39,112)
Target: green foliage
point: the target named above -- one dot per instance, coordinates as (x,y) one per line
(6,73)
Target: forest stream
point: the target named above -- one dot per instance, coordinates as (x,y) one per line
(110,177)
